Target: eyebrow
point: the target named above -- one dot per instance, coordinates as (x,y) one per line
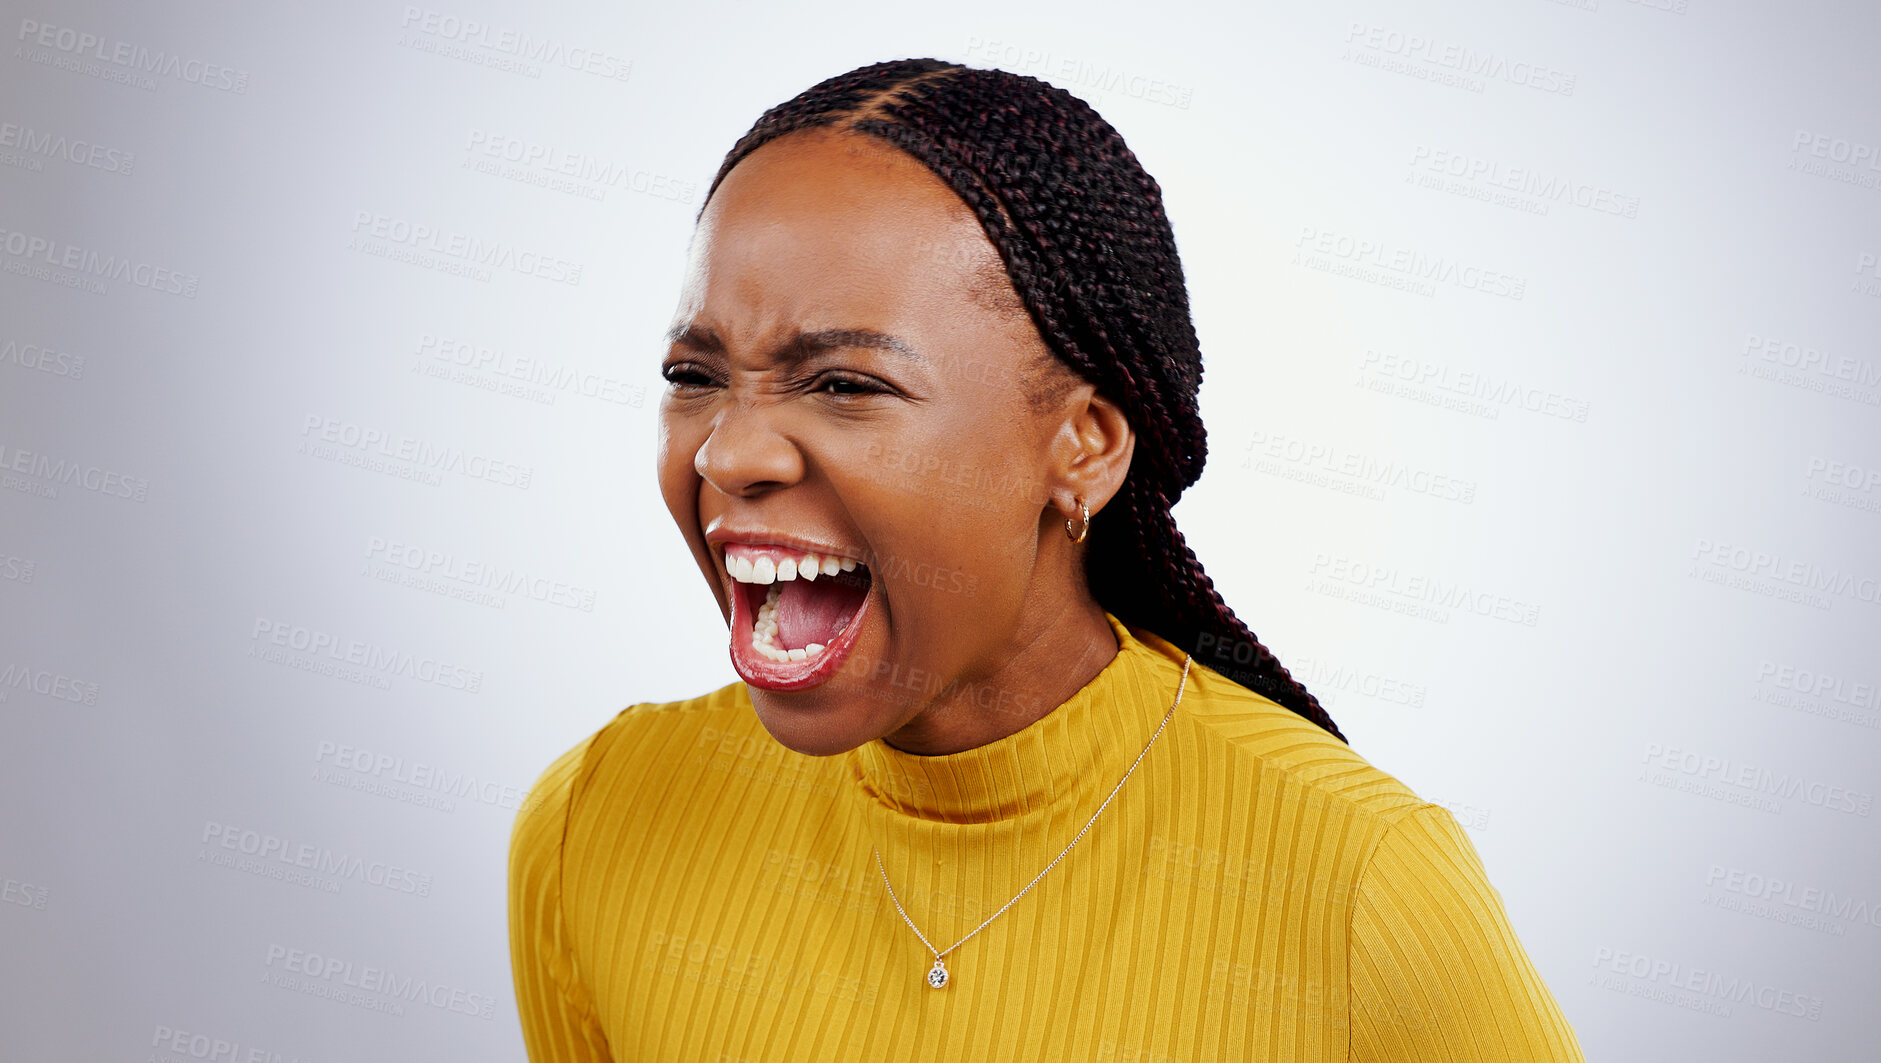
(801,347)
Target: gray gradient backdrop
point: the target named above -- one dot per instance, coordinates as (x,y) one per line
(1545,405)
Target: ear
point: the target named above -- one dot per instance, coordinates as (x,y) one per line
(1091,453)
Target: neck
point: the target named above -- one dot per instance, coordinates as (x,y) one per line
(1061,764)
(1026,687)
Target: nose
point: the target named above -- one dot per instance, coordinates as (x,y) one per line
(745,454)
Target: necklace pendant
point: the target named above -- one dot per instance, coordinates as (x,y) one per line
(938,976)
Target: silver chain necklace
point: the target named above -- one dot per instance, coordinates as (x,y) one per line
(937,976)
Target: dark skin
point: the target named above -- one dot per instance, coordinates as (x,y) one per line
(955,468)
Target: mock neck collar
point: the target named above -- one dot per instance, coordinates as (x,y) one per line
(1084,744)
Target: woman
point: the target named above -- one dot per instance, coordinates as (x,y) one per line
(931,394)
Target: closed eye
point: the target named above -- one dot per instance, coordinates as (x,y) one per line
(848,384)
(685,376)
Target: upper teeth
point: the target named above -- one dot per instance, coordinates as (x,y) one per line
(763,569)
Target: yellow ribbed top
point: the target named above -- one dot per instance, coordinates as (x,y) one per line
(682,887)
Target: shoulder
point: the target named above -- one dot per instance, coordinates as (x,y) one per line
(647,744)
(1436,971)
(1295,756)
(650,736)
(1306,810)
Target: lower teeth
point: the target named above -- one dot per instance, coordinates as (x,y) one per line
(764,633)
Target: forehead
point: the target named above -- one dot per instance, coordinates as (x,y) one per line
(836,175)
(826,215)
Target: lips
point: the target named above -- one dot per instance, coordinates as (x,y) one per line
(760,670)
(797,611)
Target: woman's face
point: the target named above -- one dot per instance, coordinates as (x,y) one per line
(848,377)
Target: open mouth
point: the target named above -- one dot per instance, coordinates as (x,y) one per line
(795,614)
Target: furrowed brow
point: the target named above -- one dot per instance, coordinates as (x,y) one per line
(801,347)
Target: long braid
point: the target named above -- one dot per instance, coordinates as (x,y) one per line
(1081,228)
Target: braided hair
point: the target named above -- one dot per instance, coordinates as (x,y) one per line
(1088,248)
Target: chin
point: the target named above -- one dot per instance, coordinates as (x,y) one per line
(814,732)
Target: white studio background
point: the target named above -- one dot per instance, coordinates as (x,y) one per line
(1545,404)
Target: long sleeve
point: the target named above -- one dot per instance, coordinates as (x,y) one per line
(1437,973)
(558,1020)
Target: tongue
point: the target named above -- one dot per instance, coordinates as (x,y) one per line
(816,611)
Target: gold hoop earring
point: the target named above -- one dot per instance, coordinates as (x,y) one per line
(1084,523)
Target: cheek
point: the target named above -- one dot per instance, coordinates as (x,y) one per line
(952,539)
(673,467)
(984,477)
